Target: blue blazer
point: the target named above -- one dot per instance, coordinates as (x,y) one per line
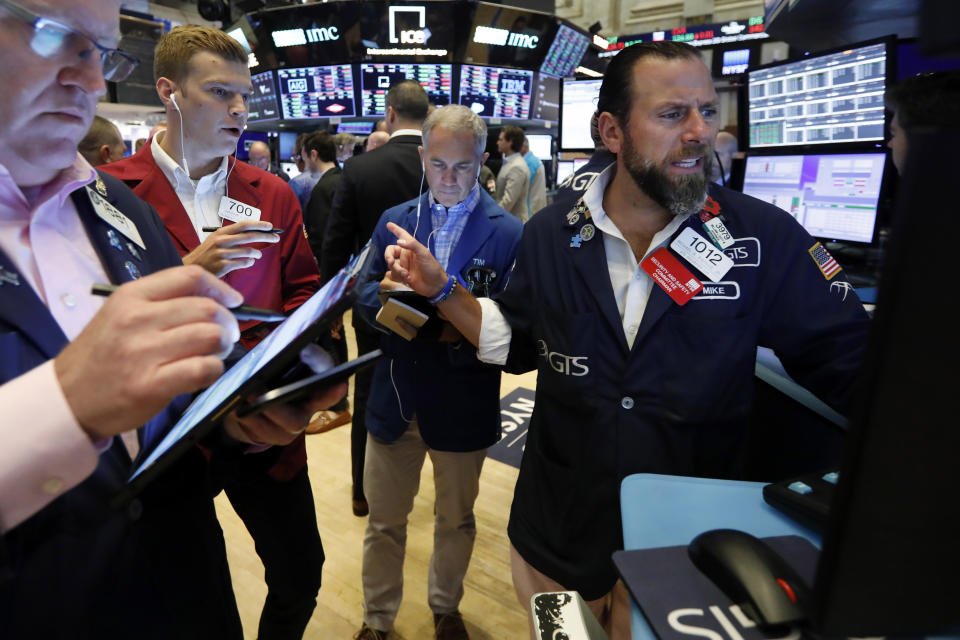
(78,568)
(456,398)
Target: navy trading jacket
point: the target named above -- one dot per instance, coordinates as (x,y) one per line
(78,568)
(679,401)
(455,397)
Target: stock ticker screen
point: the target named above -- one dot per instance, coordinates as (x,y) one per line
(263,102)
(495,92)
(831,98)
(565,52)
(376,80)
(317,92)
(834,196)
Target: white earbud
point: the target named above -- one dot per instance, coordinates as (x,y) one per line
(183,152)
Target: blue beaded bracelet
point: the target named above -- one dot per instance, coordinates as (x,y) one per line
(446,292)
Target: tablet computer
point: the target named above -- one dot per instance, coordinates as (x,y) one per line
(256,372)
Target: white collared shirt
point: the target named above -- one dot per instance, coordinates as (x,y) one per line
(200,198)
(406,132)
(631,284)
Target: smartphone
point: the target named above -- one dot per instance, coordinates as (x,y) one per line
(305,386)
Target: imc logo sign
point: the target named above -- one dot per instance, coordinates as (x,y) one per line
(294,37)
(415,17)
(502,37)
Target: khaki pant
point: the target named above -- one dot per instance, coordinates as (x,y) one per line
(391,479)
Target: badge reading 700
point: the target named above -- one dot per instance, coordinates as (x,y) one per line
(237,211)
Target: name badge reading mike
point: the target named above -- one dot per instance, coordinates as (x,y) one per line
(237,211)
(115,218)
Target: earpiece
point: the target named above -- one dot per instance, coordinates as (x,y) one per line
(173,99)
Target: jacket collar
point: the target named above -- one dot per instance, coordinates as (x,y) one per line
(480,226)
(154,187)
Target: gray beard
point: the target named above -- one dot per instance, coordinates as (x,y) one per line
(682,195)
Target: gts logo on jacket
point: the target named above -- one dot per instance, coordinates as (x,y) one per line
(567,365)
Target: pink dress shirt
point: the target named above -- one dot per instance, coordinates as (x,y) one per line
(45,452)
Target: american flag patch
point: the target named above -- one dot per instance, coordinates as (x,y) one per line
(825,262)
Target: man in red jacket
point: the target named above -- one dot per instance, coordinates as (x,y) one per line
(187,173)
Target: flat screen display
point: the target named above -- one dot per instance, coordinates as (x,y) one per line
(507,36)
(578,104)
(541,145)
(565,52)
(564,170)
(263,102)
(376,80)
(356,128)
(834,196)
(495,92)
(317,92)
(286,141)
(831,98)
(546,98)
(735,61)
(579,163)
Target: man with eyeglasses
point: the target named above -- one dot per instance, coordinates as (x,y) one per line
(77,370)
(187,173)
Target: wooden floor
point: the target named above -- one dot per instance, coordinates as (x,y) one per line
(489,606)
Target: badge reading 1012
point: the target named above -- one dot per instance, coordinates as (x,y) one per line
(237,211)
(702,254)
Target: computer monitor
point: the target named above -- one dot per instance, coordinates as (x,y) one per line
(541,144)
(834,196)
(286,140)
(356,128)
(376,80)
(579,163)
(263,103)
(496,92)
(317,92)
(578,102)
(546,98)
(565,52)
(734,61)
(564,170)
(826,98)
(890,550)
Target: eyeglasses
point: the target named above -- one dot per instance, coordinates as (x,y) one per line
(51,37)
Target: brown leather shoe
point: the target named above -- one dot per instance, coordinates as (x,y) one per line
(327,420)
(449,626)
(369,633)
(360,508)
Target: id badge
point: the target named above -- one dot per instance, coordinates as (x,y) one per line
(674,278)
(237,211)
(701,253)
(115,218)
(718,232)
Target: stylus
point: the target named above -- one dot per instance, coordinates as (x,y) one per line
(243,312)
(212,229)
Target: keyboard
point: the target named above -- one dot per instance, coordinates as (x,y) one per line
(806,498)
